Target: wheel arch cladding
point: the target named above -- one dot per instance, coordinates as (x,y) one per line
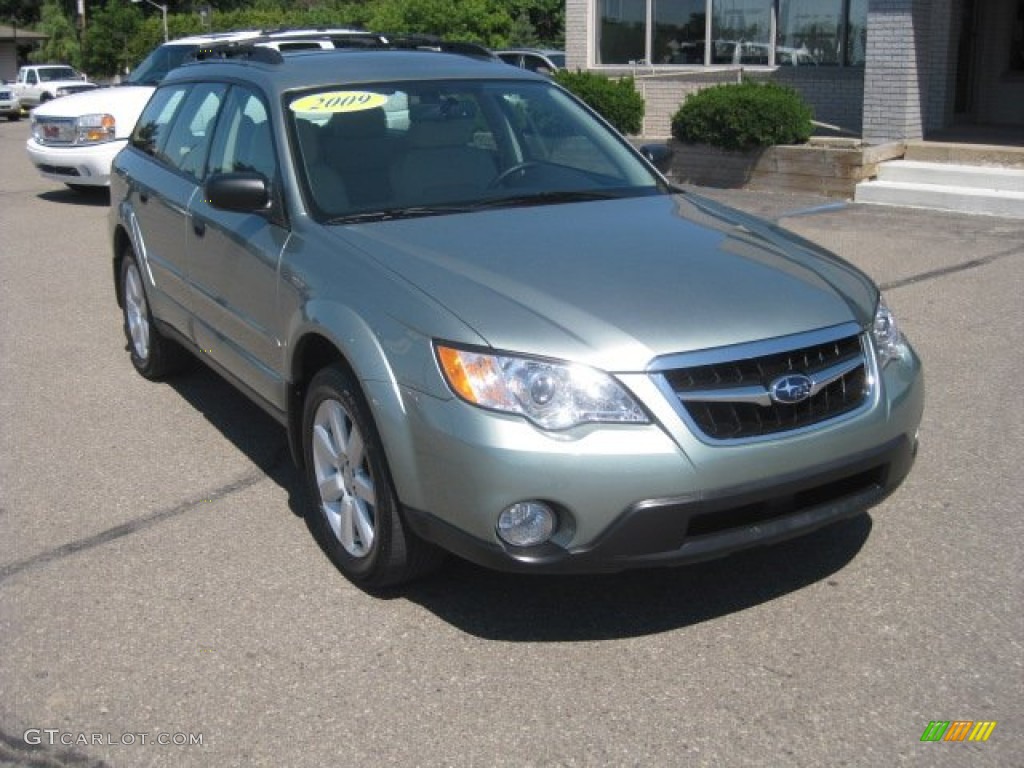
(351,343)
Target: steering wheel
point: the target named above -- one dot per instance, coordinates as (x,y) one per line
(505,175)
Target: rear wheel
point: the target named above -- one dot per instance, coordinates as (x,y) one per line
(354,509)
(153,355)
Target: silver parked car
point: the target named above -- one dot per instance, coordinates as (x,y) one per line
(492,327)
(543,61)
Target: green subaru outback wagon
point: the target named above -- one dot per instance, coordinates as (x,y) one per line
(490,326)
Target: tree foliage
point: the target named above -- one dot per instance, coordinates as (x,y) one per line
(118,33)
(482,21)
(19,12)
(62,44)
(109,42)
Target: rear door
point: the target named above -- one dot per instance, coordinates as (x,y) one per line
(171,139)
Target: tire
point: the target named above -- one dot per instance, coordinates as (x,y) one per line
(153,355)
(13,117)
(353,507)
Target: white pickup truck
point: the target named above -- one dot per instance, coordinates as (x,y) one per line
(38,83)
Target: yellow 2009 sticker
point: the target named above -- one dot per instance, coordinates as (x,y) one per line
(338,101)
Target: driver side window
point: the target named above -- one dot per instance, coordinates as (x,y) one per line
(554,136)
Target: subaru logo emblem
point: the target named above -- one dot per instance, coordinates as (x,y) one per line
(790,389)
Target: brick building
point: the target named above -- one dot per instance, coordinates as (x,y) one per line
(880,69)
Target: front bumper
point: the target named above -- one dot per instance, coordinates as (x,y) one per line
(678,531)
(87,166)
(635,496)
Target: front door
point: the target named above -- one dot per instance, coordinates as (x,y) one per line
(233,258)
(990,64)
(965,69)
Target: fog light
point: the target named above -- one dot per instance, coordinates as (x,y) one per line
(526,523)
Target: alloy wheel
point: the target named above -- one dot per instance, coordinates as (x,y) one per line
(136,312)
(347,494)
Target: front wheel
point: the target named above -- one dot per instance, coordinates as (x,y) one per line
(354,509)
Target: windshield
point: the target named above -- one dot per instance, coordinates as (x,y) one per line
(155,67)
(51,74)
(427,148)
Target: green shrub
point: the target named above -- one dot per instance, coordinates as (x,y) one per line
(615,100)
(743,116)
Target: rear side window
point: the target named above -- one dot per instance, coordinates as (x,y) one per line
(189,139)
(154,123)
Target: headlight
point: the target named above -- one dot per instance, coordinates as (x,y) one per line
(551,394)
(889,342)
(95,129)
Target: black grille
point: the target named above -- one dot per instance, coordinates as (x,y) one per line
(725,419)
(774,508)
(59,170)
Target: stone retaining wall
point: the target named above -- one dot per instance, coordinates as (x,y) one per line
(830,168)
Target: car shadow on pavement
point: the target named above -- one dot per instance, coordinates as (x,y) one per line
(94,197)
(532,608)
(523,608)
(250,429)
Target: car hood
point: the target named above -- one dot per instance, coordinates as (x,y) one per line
(124,102)
(617,283)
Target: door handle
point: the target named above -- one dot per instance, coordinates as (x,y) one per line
(143,197)
(199,227)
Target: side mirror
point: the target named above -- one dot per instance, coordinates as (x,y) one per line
(241,192)
(658,155)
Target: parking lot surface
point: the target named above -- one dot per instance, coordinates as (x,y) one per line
(162,602)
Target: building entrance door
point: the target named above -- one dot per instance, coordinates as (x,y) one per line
(990,63)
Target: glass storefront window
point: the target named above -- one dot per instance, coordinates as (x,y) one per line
(806,32)
(679,31)
(809,32)
(857,33)
(1017,40)
(740,31)
(622,31)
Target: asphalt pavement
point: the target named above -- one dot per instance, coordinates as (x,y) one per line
(162,602)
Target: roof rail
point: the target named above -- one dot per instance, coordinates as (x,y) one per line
(264,48)
(243,49)
(435,43)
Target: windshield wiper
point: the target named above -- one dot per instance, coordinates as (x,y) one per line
(543,198)
(515,201)
(391,214)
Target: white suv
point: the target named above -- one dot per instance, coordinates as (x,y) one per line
(74,139)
